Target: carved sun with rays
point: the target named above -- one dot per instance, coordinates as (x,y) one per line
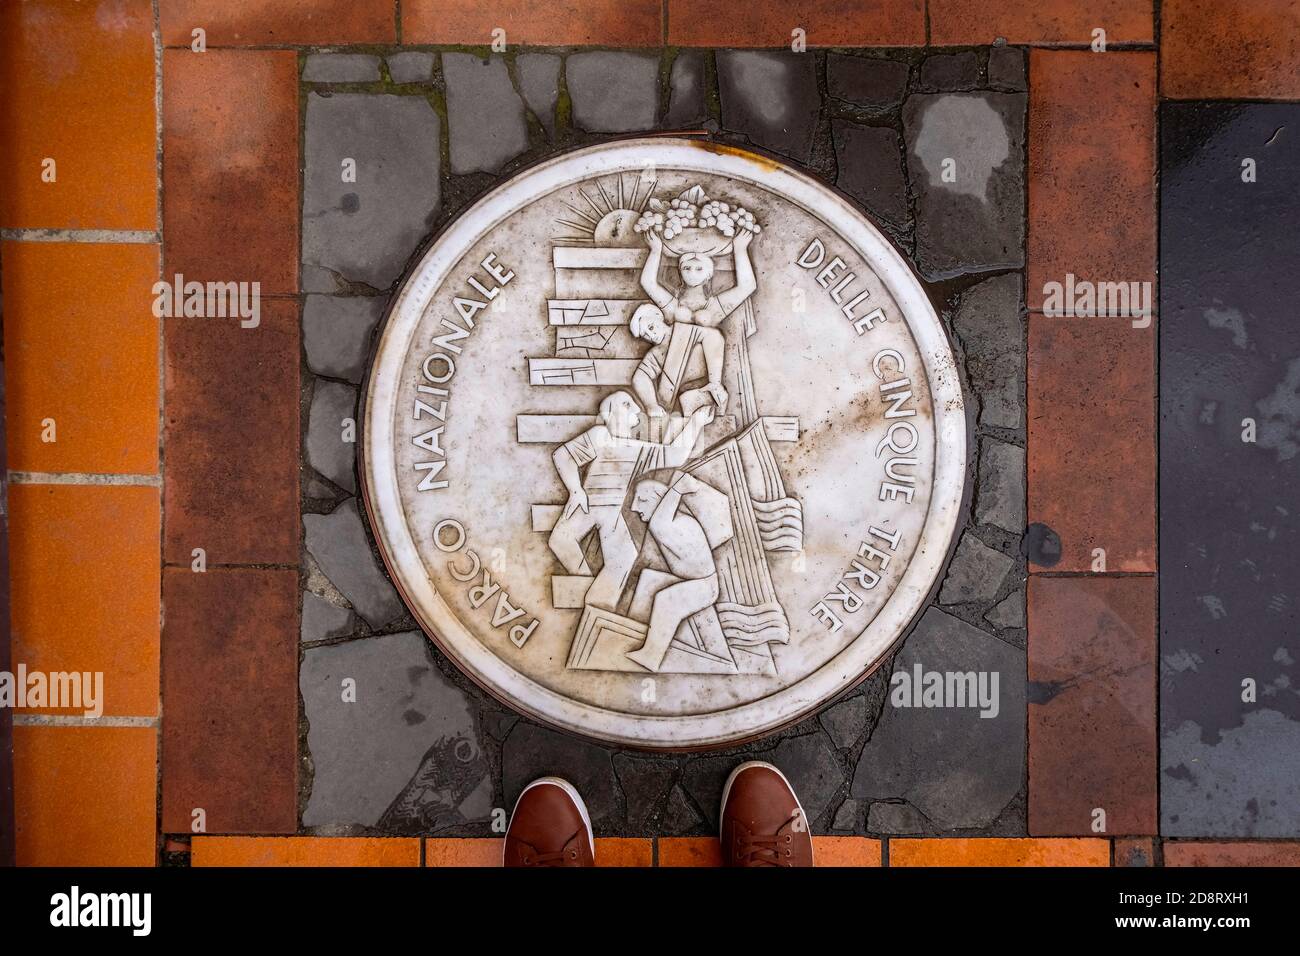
(612,214)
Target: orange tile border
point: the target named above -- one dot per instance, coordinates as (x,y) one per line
(999,851)
(486,851)
(79,85)
(770,23)
(614,23)
(208,851)
(1232,853)
(1230,49)
(965,22)
(624,851)
(84,588)
(85,796)
(846,851)
(278,22)
(81,345)
(689,851)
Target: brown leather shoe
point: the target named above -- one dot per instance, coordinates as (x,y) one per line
(762,821)
(550,827)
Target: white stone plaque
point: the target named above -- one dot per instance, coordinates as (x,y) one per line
(664,443)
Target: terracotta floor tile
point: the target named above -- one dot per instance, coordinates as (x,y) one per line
(1230,49)
(557,23)
(961,22)
(1279,853)
(1092,160)
(1092,714)
(79,89)
(230,167)
(230,694)
(689,851)
(999,852)
(231,433)
(85,796)
(304,851)
(274,22)
(624,851)
(845,851)
(1091,455)
(455,851)
(770,23)
(84,587)
(82,349)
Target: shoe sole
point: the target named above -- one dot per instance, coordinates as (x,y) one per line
(576,797)
(726,792)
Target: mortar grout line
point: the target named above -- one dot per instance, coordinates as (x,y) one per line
(136,236)
(83,478)
(59,720)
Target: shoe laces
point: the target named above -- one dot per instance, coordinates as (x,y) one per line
(531,856)
(774,849)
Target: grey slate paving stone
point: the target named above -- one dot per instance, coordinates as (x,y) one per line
(849,818)
(644,780)
(498,723)
(338,543)
(991,325)
(613,92)
(1007,69)
(365,753)
(772,98)
(1229,509)
(976,573)
(539,82)
(412,66)
(957,768)
(336,333)
(532,751)
(680,818)
(1009,612)
(808,762)
(870,163)
(950,71)
(485,116)
(891,818)
(341,68)
(332,404)
(704,777)
(976,222)
(322,620)
(686,90)
(1000,498)
(866,81)
(366,230)
(846,721)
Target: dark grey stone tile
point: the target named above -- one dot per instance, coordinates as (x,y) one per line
(847,720)
(337,541)
(1229,508)
(532,751)
(613,92)
(412,66)
(772,98)
(870,160)
(331,420)
(539,82)
(485,116)
(1007,69)
(1000,496)
(990,323)
(869,82)
(336,333)
(686,90)
(950,71)
(341,68)
(976,572)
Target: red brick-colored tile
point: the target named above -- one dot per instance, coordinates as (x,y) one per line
(1091,455)
(960,22)
(85,796)
(999,852)
(78,81)
(845,851)
(1230,49)
(82,349)
(1092,160)
(84,589)
(231,433)
(1134,851)
(770,23)
(230,167)
(304,851)
(527,23)
(689,851)
(278,22)
(624,851)
(1280,853)
(230,694)
(1092,705)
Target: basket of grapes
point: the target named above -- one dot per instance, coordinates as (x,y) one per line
(694,223)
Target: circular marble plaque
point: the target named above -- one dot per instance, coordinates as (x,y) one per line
(664,443)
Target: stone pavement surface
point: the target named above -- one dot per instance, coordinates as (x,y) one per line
(246,528)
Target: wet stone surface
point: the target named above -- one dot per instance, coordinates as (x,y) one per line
(861,766)
(1229,525)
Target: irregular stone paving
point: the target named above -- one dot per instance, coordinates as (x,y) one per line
(423,750)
